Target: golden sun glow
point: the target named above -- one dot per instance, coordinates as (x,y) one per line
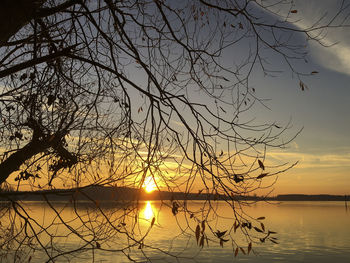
(149,185)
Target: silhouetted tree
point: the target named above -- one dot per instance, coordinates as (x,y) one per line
(114,92)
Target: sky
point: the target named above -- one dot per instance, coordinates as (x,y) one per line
(322,149)
(323,111)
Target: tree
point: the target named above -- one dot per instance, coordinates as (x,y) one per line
(117,92)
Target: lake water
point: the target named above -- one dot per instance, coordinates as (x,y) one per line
(306,232)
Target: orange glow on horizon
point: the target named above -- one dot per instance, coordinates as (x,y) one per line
(149,185)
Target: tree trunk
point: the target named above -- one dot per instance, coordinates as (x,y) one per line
(13,163)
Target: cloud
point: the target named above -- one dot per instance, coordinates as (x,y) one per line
(307,160)
(334,57)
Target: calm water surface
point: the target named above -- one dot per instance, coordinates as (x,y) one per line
(307,232)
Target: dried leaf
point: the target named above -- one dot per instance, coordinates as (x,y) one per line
(203,226)
(198,229)
(242,250)
(302,85)
(314,72)
(273,241)
(219,234)
(236,252)
(258,229)
(262,175)
(294,11)
(249,247)
(153,220)
(260,218)
(201,242)
(262,226)
(261,165)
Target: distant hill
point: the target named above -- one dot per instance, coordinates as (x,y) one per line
(103,193)
(106,193)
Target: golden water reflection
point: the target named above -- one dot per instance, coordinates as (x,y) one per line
(148,211)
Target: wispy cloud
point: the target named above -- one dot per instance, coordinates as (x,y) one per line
(307,160)
(335,57)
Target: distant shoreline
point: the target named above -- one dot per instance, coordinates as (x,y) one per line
(102,193)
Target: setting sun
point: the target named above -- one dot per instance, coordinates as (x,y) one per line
(149,185)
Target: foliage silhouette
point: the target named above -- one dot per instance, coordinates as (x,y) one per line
(112,93)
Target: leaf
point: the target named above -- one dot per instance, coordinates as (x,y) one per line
(203,226)
(272,232)
(262,226)
(294,11)
(219,234)
(236,252)
(198,229)
(261,165)
(201,242)
(260,218)
(238,179)
(249,247)
(153,220)
(51,99)
(302,85)
(258,229)
(23,77)
(314,72)
(273,241)
(175,208)
(262,175)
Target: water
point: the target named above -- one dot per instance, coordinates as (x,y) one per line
(306,232)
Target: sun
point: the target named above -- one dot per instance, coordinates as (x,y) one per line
(149,185)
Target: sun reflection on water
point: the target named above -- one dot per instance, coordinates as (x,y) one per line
(148,211)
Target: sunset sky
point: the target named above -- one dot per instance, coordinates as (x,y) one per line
(323,111)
